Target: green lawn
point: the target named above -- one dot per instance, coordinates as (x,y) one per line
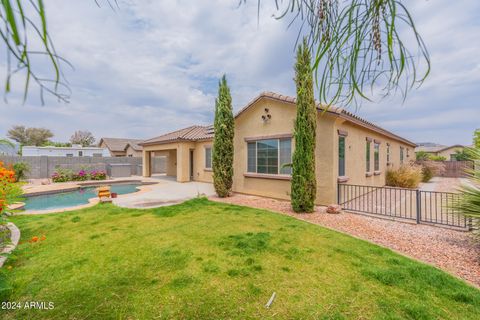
(207,260)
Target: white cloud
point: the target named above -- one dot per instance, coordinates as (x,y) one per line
(153,66)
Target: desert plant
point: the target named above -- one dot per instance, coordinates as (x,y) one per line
(21,169)
(437,158)
(431,169)
(462,155)
(304,184)
(422,156)
(222,152)
(10,192)
(407,176)
(469,203)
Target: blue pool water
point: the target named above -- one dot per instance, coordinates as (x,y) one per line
(72,198)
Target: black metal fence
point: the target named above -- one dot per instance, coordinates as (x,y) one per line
(411,204)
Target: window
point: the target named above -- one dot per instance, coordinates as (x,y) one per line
(388,153)
(453,157)
(376,156)
(401,155)
(341,156)
(367,155)
(69,154)
(208,158)
(80,153)
(97,155)
(269,156)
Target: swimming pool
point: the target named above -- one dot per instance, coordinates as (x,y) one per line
(72,198)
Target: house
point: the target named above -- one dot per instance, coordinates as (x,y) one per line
(449,152)
(73,151)
(119,147)
(349,150)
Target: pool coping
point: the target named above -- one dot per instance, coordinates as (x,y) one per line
(83,184)
(144,187)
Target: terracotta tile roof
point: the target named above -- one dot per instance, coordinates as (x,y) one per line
(119,144)
(340,112)
(193,133)
(437,148)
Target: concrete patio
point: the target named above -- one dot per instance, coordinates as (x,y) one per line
(166,192)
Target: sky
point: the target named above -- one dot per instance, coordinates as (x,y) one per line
(150,67)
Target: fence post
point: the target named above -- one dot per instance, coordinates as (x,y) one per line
(338,193)
(419,205)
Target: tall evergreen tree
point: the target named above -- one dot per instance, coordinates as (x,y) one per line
(222,153)
(304,184)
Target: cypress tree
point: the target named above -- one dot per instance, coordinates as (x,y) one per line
(304,184)
(222,153)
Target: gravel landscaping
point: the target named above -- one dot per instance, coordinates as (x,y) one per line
(453,251)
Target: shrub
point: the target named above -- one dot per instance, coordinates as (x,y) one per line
(98,175)
(469,203)
(21,169)
(304,184)
(422,156)
(431,169)
(10,192)
(65,175)
(222,156)
(407,176)
(438,158)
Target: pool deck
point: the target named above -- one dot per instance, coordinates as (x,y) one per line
(156,191)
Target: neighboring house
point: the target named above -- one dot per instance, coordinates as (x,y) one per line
(348,150)
(73,151)
(7,150)
(448,152)
(119,147)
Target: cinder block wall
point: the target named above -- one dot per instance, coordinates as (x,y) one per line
(43,167)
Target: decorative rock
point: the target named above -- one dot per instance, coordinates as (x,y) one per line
(45,182)
(334,209)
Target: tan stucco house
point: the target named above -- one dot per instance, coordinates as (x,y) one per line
(448,152)
(348,150)
(119,147)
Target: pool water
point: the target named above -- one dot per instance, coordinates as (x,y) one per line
(72,198)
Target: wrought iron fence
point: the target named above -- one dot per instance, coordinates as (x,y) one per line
(411,204)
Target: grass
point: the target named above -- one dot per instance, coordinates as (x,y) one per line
(209,260)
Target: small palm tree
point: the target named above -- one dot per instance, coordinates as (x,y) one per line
(5,142)
(469,204)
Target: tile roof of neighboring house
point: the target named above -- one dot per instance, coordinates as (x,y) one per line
(119,144)
(437,148)
(135,146)
(340,112)
(193,133)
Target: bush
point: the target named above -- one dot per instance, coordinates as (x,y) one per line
(304,184)
(21,169)
(438,158)
(422,156)
(469,203)
(407,176)
(431,169)
(10,192)
(65,175)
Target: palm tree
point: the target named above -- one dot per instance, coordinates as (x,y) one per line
(469,203)
(5,142)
